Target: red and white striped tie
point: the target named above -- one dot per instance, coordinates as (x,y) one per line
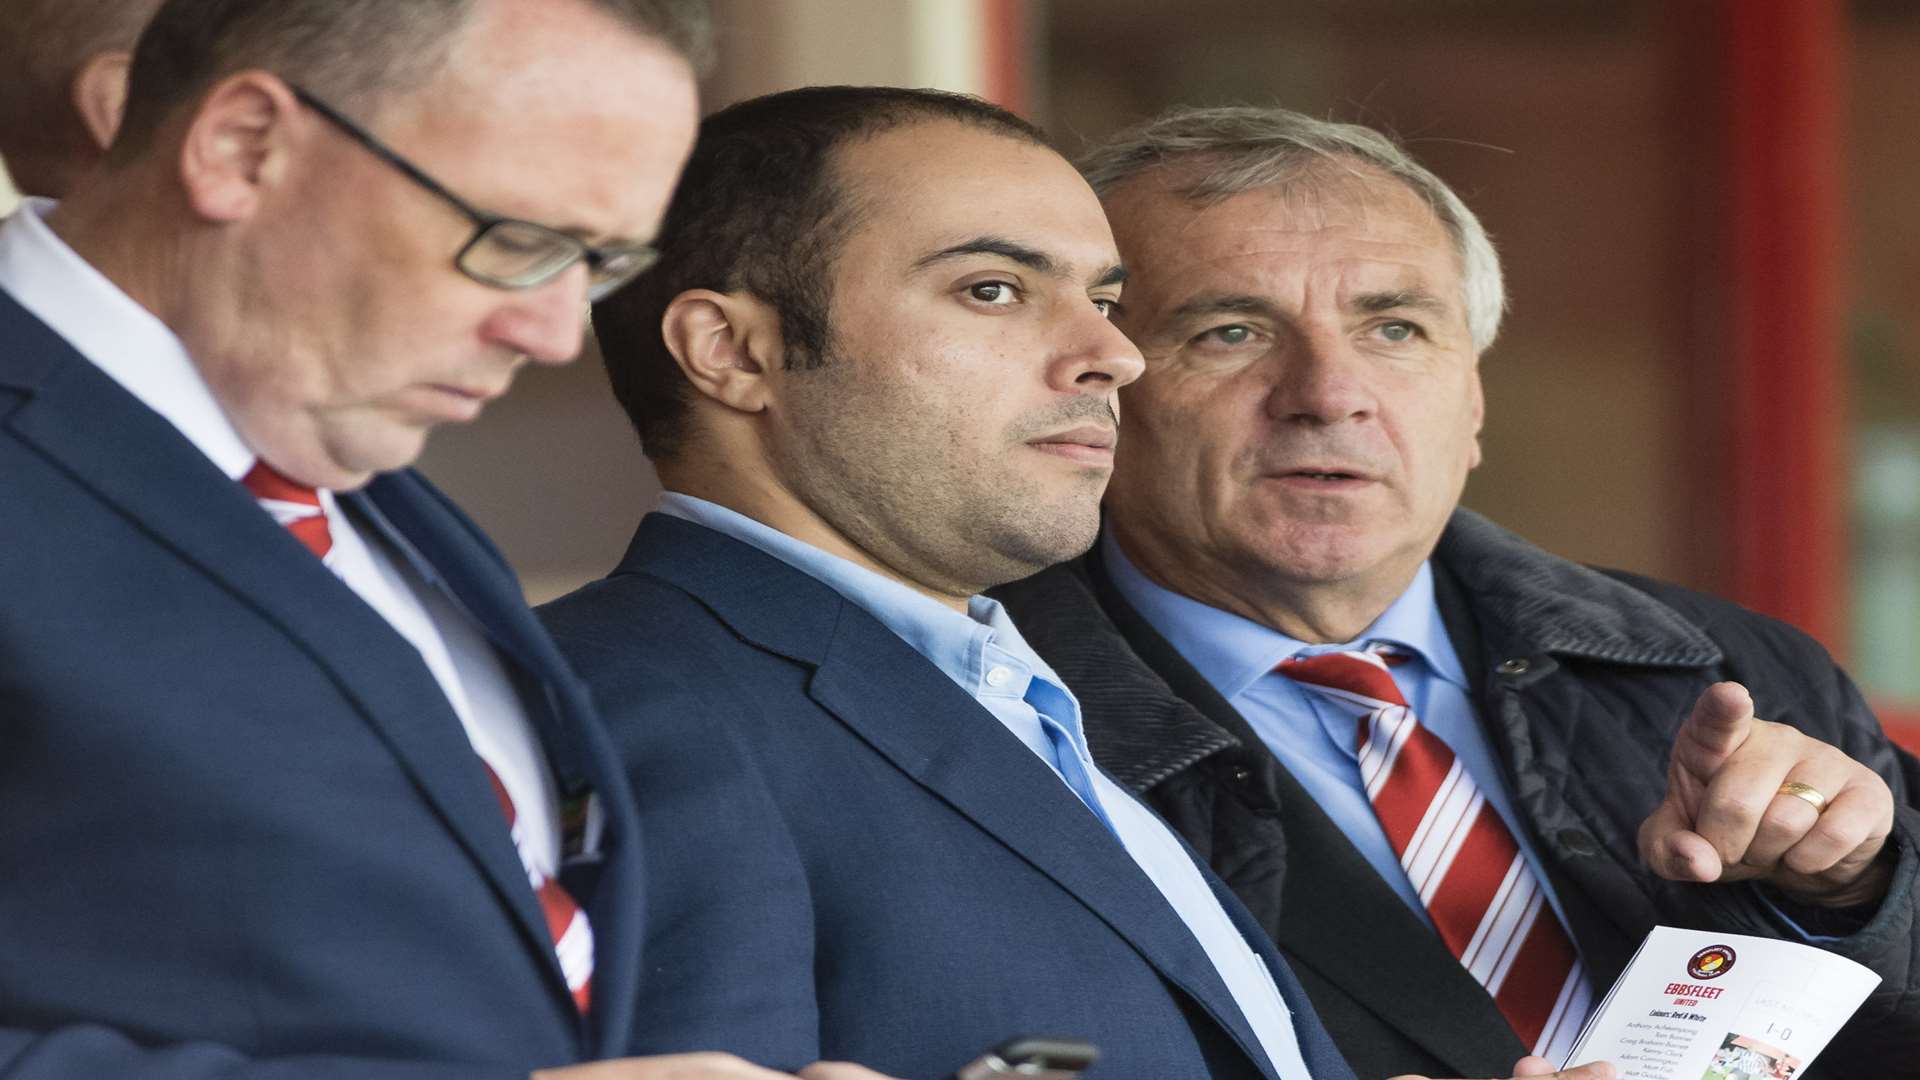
(298,509)
(1462,860)
(294,505)
(572,935)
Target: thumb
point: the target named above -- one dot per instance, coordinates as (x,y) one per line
(1533,1066)
(1720,722)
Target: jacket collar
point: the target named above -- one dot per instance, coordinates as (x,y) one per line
(1070,615)
(771,605)
(1531,602)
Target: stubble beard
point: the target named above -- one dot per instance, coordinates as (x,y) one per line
(924,504)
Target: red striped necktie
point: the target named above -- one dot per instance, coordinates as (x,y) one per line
(294,505)
(566,922)
(298,508)
(1459,855)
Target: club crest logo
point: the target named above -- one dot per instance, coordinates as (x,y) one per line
(1711,962)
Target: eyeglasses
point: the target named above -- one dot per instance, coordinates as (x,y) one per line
(504,252)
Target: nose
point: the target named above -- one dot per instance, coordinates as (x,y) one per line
(1319,379)
(1097,357)
(546,323)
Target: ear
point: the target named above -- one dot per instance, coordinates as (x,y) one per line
(236,145)
(1479,407)
(726,344)
(100,93)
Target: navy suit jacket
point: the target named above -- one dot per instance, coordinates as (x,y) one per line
(242,832)
(849,850)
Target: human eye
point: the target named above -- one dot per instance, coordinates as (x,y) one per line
(510,237)
(1399,330)
(1108,306)
(1230,336)
(994,293)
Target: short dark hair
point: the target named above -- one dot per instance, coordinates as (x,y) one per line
(760,210)
(349,52)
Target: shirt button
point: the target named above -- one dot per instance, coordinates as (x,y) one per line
(998,677)
(1515,666)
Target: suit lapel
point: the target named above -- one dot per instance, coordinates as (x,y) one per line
(930,729)
(1337,917)
(132,459)
(452,555)
(1340,920)
(915,716)
(1323,1058)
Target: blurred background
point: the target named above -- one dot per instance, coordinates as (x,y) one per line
(1706,210)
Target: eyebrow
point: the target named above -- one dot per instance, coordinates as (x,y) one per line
(1031,258)
(1372,303)
(1225,304)
(1402,300)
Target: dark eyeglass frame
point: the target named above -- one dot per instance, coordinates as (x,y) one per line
(608,268)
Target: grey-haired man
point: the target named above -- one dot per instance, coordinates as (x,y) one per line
(1457,778)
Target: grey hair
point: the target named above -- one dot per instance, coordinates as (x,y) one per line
(1236,149)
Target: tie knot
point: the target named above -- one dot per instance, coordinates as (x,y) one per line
(267,482)
(294,505)
(1360,677)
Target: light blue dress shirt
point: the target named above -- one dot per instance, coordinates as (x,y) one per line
(983,653)
(1316,740)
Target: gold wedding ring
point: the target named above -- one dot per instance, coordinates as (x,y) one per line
(1805,791)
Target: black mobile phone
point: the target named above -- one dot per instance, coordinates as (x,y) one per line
(1036,1056)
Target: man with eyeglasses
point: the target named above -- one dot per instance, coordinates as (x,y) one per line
(292,784)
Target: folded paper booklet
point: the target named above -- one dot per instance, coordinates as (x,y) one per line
(1696,1005)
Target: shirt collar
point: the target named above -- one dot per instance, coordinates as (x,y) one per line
(112,331)
(1047,691)
(953,642)
(1232,652)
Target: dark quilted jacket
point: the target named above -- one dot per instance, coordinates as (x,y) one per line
(1582,677)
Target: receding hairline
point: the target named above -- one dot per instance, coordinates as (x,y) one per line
(856,190)
(835,167)
(339,66)
(1205,179)
(1191,183)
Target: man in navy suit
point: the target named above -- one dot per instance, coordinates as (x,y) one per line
(886,381)
(292,783)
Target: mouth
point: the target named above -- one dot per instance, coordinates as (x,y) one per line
(1090,444)
(456,403)
(480,394)
(1322,477)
